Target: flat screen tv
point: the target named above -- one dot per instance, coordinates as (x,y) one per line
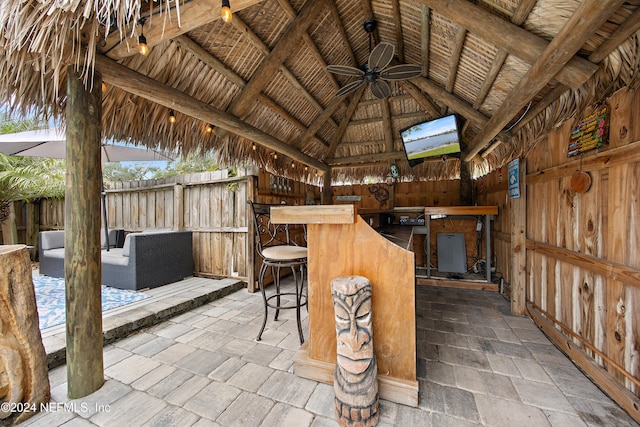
(434,138)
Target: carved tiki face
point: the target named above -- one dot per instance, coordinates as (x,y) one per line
(352,305)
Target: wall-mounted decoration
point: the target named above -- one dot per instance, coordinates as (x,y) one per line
(514,179)
(380,193)
(590,132)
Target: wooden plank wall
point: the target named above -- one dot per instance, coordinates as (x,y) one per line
(418,193)
(583,261)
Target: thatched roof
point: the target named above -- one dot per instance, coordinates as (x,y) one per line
(511,69)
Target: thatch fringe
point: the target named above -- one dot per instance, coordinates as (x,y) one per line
(619,69)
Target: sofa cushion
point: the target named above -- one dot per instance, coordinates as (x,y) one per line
(114,257)
(54,253)
(52,240)
(126,248)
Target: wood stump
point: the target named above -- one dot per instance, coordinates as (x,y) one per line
(24,380)
(355,382)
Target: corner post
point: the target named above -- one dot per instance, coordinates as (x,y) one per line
(82,260)
(519,246)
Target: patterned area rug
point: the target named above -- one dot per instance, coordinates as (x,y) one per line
(51,302)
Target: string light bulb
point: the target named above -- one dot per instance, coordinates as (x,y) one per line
(226,11)
(275,156)
(209,128)
(172,116)
(142,42)
(253,146)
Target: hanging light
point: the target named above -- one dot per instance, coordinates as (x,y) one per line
(253,146)
(142,42)
(275,156)
(209,128)
(293,165)
(226,11)
(306,168)
(172,116)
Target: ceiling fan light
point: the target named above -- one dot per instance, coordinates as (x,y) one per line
(225,11)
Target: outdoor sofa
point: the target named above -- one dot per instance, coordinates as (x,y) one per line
(147,260)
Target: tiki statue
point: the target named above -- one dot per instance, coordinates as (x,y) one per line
(355,382)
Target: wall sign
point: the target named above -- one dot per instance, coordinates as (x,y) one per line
(591,132)
(514,179)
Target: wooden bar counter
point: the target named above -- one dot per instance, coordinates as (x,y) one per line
(342,244)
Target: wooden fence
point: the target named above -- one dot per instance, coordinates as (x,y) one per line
(211,205)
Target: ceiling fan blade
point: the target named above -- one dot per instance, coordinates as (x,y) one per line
(401,72)
(380,89)
(350,87)
(381,56)
(345,70)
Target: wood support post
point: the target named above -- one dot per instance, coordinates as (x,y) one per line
(82,267)
(252,194)
(326,190)
(32,223)
(9,229)
(518,246)
(178,207)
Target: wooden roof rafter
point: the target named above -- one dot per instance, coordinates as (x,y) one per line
(191,16)
(150,89)
(561,50)
(519,16)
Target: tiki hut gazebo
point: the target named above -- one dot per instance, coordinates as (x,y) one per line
(515,72)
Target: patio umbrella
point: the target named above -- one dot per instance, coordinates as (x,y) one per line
(51,143)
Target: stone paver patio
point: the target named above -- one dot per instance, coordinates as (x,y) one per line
(477,365)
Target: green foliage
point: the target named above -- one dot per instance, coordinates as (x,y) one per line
(28,178)
(31,178)
(117,172)
(192,163)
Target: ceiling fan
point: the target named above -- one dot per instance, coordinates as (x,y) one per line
(375,71)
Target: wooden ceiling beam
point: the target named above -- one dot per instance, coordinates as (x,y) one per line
(425,35)
(193,14)
(274,60)
(270,103)
(387,125)
(624,31)
(456,52)
(397,24)
(211,61)
(288,75)
(519,16)
(338,133)
(421,98)
(323,117)
(515,40)
(145,87)
(286,6)
(587,19)
(456,104)
(343,34)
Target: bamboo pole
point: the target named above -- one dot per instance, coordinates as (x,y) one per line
(82,267)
